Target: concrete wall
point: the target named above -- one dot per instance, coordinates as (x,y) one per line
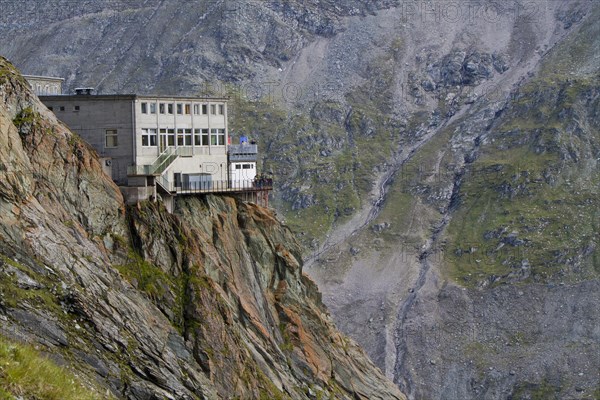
(96,115)
(215,164)
(199,158)
(133,195)
(92,116)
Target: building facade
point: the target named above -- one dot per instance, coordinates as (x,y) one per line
(45,85)
(150,143)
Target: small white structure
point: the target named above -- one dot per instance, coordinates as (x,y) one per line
(242,163)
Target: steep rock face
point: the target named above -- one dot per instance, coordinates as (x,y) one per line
(207,303)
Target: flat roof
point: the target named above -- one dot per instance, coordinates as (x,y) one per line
(128,97)
(53,78)
(84,97)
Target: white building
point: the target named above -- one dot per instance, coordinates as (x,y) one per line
(162,146)
(45,85)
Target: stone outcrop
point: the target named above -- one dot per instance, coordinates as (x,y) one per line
(209,302)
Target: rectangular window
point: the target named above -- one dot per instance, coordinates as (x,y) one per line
(187,109)
(152,108)
(238,166)
(204,109)
(247,166)
(196,109)
(170,137)
(161,108)
(188,137)
(76,108)
(170,108)
(197,137)
(221,109)
(204,137)
(217,137)
(213,109)
(144,108)
(111,138)
(179,108)
(149,137)
(180,137)
(62,108)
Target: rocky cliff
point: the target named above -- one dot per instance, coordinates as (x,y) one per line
(209,302)
(439,157)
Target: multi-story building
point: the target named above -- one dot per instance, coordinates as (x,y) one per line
(159,145)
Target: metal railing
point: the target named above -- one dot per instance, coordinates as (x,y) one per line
(242,149)
(216,186)
(165,183)
(242,152)
(243,157)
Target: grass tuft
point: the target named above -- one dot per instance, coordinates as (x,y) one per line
(24,373)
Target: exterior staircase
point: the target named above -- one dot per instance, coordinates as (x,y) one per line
(164,160)
(164,184)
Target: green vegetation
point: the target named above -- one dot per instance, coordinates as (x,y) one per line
(147,277)
(287,346)
(12,294)
(324,163)
(24,373)
(253,377)
(573,53)
(542,391)
(26,119)
(529,204)
(9,72)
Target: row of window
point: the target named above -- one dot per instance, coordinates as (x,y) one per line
(183,137)
(182,108)
(244,166)
(62,108)
(44,90)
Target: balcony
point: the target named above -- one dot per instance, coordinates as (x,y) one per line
(242,152)
(209,186)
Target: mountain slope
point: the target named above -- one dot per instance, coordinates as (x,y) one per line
(334,92)
(430,175)
(479,275)
(207,303)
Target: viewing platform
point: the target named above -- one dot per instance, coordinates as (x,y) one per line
(256,190)
(204,187)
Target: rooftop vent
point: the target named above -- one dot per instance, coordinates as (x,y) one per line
(84,91)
